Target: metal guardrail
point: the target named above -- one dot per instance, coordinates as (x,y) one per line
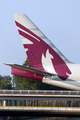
(39,95)
(40,92)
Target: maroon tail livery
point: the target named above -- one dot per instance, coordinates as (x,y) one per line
(47,64)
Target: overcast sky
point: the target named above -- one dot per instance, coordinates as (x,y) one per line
(59,20)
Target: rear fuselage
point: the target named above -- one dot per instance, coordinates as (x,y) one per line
(72,82)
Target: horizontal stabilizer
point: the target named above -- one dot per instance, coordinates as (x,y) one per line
(31,70)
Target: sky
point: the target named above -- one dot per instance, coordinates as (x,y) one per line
(59,20)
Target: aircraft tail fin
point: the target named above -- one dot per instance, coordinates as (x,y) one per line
(40,51)
(36,44)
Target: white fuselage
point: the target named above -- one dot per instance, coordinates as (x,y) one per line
(73,81)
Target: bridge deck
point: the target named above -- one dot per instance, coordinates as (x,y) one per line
(39,95)
(45,111)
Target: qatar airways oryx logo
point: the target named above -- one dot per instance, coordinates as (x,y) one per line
(47,61)
(62,70)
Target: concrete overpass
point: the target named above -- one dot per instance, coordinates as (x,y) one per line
(40,111)
(39,95)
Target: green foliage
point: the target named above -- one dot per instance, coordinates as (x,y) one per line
(1,77)
(26,63)
(28,84)
(5,77)
(22,83)
(5,84)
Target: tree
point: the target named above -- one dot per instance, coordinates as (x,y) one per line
(5,77)
(1,77)
(5,84)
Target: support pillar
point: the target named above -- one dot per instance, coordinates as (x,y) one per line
(4,102)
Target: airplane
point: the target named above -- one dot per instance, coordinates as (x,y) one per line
(47,63)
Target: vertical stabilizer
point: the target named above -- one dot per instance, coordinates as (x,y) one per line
(40,51)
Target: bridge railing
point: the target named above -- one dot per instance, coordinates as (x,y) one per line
(40,92)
